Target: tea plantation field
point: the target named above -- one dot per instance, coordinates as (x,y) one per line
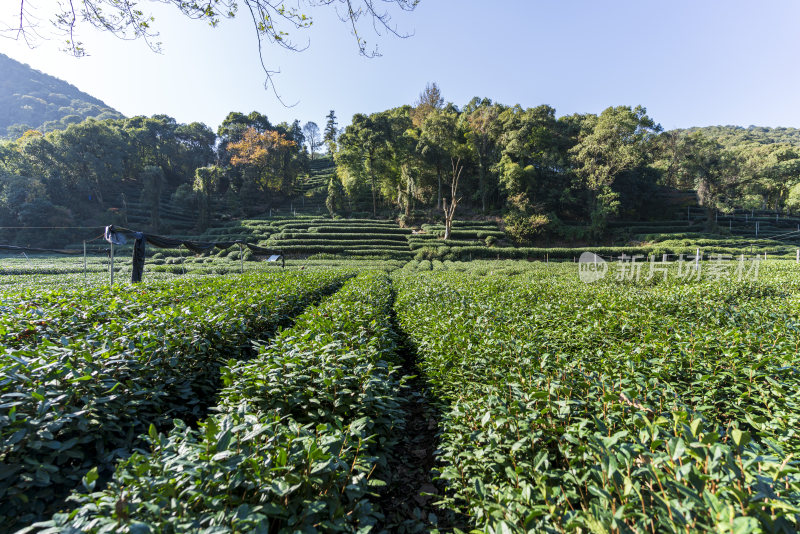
(394,396)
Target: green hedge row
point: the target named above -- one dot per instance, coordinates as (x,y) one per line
(655,224)
(300,442)
(311,249)
(468,234)
(362,229)
(571,407)
(474,253)
(283,243)
(654,229)
(464,225)
(80,400)
(344,236)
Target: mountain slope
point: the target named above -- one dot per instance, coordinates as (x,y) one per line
(30,99)
(732,135)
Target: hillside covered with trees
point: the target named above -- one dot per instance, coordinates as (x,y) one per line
(99,172)
(568,178)
(737,135)
(32,100)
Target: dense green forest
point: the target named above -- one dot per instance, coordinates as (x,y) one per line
(734,135)
(94,171)
(30,99)
(566,177)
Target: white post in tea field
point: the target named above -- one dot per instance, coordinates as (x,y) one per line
(112,264)
(697,260)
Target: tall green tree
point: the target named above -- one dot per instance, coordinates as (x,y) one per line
(196,147)
(331,132)
(616,142)
(437,137)
(364,152)
(398,180)
(533,167)
(710,170)
(205,182)
(89,158)
(336,201)
(482,132)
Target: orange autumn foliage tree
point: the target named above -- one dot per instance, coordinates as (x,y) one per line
(263,154)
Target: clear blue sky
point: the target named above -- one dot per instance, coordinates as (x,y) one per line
(690,63)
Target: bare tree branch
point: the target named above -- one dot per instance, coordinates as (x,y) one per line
(21,14)
(269,81)
(125,20)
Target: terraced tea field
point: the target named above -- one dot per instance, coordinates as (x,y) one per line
(489,396)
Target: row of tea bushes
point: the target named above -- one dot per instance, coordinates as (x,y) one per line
(301,433)
(140,356)
(646,408)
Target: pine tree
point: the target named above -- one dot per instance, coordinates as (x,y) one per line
(429,100)
(330,134)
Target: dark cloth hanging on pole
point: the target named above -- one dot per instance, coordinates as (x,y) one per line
(263,251)
(117,236)
(113,236)
(12,248)
(138,258)
(197,247)
(168,242)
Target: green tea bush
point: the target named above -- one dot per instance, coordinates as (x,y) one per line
(302,431)
(616,406)
(78,393)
